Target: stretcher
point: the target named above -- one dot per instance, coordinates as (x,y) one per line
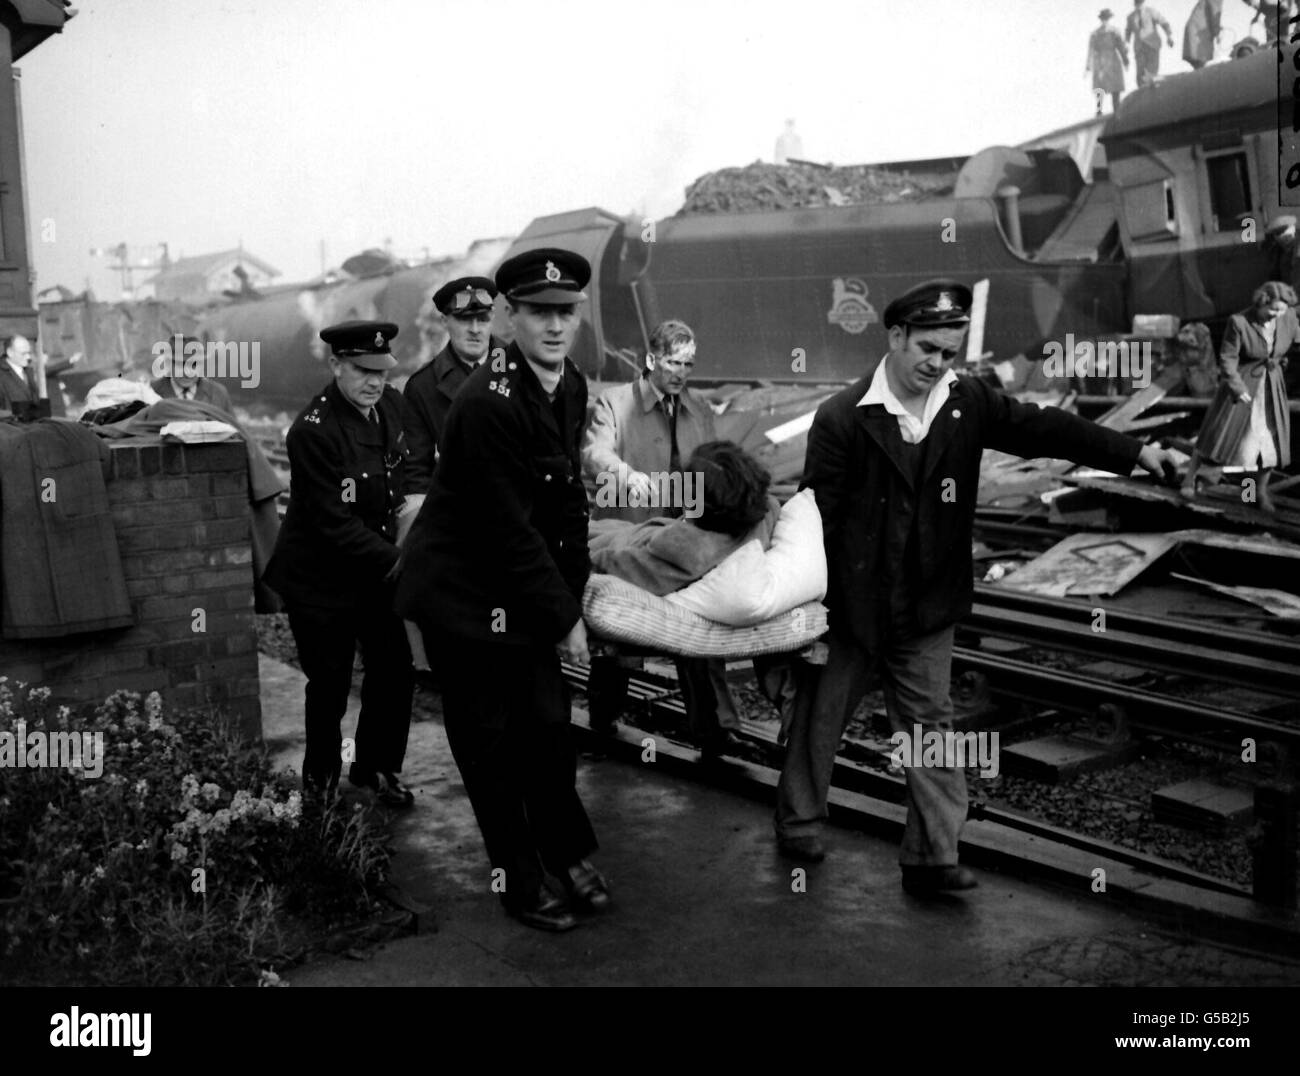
(625,621)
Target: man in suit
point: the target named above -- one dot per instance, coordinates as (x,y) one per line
(894,461)
(493,572)
(1143,28)
(185,381)
(22,377)
(336,558)
(639,434)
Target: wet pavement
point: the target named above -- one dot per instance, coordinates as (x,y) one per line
(702,898)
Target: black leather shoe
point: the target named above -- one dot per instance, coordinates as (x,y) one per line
(604,728)
(545,912)
(387,787)
(587,887)
(724,742)
(804,849)
(922,881)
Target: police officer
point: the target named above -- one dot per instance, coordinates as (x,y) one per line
(466,308)
(335,561)
(493,571)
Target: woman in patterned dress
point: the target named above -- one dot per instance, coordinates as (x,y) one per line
(1248,423)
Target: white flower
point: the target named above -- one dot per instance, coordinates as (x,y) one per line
(179,852)
(142,788)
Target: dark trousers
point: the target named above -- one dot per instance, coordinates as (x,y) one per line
(915,672)
(703,684)
(327,641)
(506,712)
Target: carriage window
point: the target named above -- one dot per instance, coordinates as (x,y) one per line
(1229,190)
(1150,210)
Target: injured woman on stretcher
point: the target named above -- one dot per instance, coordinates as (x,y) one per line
(742,579)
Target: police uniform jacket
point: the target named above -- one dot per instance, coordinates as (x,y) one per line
(499,553)
(629,427)
(885,514)
(428,395)
(337,542)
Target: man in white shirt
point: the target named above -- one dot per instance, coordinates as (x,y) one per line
(894,461)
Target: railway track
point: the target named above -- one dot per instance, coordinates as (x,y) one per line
(1181,651)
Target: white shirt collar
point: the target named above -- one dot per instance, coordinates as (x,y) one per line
(21,371)
(912,428)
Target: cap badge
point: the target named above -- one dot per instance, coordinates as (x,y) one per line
(944,302)
(552,273)
(379,339)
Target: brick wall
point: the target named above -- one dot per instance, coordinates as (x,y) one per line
(182,518)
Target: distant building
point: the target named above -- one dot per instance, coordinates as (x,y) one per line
(24,24)
(208,276)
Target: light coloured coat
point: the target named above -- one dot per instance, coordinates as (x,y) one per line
(629,429)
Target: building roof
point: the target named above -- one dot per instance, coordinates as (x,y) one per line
(199,266)
(30,22)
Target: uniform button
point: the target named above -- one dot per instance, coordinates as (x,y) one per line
(547,478)
(364,475)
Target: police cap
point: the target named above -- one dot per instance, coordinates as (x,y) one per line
(548,276)
(465,295)
(931,305)
(363,343)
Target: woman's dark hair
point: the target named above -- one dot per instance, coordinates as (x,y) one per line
(733,487)
(1271,291)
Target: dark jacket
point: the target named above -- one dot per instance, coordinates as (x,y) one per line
(205,391)
(427,396)
(498,553)
(16,398)
(337,542)
(856,465)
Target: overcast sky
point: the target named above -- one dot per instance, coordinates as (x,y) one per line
(285,123)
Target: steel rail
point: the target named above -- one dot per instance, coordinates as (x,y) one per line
(1135,648)
(1168,628)
(1069,691)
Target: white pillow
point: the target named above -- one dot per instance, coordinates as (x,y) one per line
(751,586)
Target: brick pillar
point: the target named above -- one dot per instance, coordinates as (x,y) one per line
(182,518)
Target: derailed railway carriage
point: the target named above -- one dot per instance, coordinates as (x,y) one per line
(1181,184)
